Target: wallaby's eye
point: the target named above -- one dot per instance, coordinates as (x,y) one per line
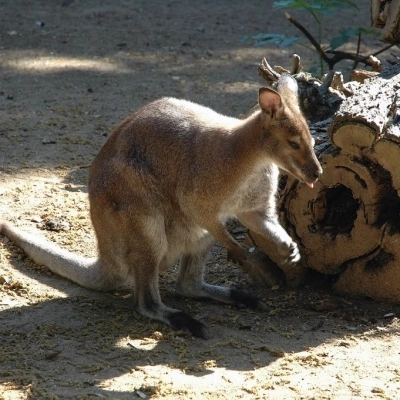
(294,145)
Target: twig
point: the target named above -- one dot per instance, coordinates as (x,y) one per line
(267,72)
(384,49)
(323,89)
(310,37)
(337,55)
(296,64)
(342,55)
(358,51)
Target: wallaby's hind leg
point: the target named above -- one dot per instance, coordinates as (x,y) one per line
(148,303)
(140,256)
(191,283)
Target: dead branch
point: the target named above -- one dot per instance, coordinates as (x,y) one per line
(267,72)
(360,75)
(327,82)
(338,84)
(296,65)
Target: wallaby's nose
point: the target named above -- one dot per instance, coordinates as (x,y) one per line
(317,173)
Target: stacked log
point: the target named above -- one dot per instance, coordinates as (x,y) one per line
(349,224)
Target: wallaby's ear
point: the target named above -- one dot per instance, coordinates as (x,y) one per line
(269,100)
(287,85)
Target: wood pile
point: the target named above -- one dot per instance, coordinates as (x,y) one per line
(349,224)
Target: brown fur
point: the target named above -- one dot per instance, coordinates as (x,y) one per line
(163,186)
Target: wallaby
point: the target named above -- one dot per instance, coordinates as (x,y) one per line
(165,183)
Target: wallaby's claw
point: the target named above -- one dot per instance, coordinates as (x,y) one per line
(291,254)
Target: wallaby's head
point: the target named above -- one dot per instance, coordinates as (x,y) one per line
(287,132)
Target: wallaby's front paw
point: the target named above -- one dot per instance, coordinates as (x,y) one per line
(237,255)
(290,253)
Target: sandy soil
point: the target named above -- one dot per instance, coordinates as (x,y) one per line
(68,76)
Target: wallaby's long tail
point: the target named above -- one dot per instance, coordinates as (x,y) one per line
(84,271)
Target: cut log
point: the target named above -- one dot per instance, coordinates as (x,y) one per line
(360,75)
(376,275)
(349,224)
(337,221)
(368,115)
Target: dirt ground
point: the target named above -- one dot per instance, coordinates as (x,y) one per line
(70,71)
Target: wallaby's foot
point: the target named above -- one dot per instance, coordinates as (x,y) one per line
(190,283)
(246,300)
(219,293)
(148,303)
(236,254)
(184,322)
(176,319)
